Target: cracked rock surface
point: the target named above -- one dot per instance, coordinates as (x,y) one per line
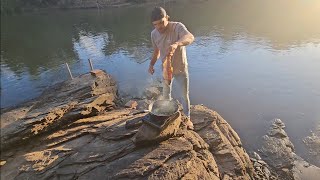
(75,130)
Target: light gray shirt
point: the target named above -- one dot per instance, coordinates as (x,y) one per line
(175,31)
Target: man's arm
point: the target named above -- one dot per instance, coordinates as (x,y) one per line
(185,39)
(155,57)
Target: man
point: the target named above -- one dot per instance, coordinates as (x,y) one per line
(169,39)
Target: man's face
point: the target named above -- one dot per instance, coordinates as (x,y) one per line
(161,24)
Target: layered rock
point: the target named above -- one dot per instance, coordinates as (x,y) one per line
(75,131)
(224,144)
(84,96)
(277,149)
(102,148)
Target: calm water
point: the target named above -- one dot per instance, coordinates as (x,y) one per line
(252,61)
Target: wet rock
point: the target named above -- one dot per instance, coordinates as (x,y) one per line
(277,149)
(278,152)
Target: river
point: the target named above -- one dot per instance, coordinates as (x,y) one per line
(252,61)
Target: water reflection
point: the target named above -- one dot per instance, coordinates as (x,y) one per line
(91,46)
(33,43)
(43,41)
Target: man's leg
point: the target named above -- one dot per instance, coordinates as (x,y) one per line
(182,82)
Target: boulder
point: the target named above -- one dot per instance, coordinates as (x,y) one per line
(278,151)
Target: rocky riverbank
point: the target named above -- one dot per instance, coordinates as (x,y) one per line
(81,129)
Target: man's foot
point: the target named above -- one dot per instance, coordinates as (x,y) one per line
(189,124)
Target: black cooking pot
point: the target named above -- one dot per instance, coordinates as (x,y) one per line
(163,108)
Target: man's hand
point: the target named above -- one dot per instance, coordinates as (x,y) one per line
(172,49)
(151,69)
